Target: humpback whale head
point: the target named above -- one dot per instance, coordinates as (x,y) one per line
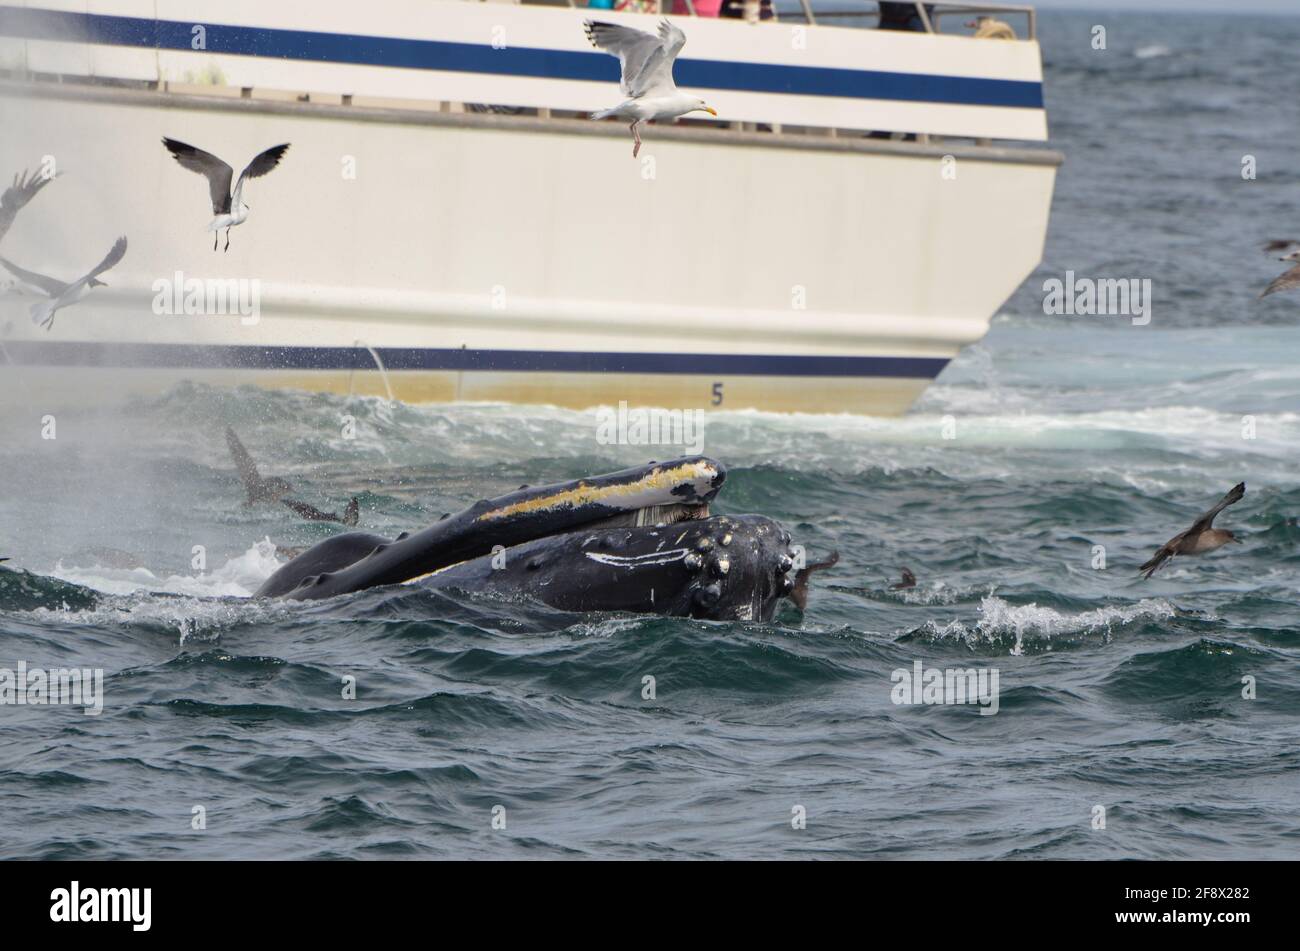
(727,567)
(641,539)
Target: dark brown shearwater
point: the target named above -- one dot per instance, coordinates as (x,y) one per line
(1201,537)
(909,581)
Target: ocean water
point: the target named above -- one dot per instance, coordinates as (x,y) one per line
(1070,433)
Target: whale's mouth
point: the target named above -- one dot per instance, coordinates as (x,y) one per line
(642,539)
(652,515)
(663,493)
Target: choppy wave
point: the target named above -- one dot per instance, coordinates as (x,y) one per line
(1031,627)
(238,577)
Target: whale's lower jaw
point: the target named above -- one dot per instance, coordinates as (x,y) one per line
(717,568)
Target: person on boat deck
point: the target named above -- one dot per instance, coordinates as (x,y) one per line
(746,9)
(901,16)
(703,8)
(904,16)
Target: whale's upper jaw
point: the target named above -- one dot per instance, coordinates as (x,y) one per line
(691,480)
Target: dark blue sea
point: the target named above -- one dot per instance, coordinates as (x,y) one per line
(1123,727)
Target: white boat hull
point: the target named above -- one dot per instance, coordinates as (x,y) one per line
(482,257)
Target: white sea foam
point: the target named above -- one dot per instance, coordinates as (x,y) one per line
(605,627)
(1031,623)
(937,593)
(200,606)
(238,577)
(192,618)
(1152,51)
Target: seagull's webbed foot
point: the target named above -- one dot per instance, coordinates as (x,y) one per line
(215,238)
(227,247)
(636,137)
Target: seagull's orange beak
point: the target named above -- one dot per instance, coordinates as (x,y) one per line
(710,110)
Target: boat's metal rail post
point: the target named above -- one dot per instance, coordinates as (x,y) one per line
(925,17)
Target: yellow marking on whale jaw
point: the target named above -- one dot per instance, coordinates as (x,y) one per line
(430,574)
(583,494)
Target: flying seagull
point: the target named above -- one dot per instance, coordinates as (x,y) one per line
(350,516)
(257,488)
(62,295)
(647,78)
(22,191)
(230,209)
(1201,537)
(909,581)
(1287,279)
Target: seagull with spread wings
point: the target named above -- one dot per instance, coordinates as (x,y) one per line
(229,208)
(60,295)
(647,77)
(1287,279)
(17,195)
(1201,537)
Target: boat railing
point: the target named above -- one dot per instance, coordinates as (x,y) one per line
(931,15)
(841,12)
(909,118)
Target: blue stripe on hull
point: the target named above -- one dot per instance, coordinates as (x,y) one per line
(195,357)
(103,29)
